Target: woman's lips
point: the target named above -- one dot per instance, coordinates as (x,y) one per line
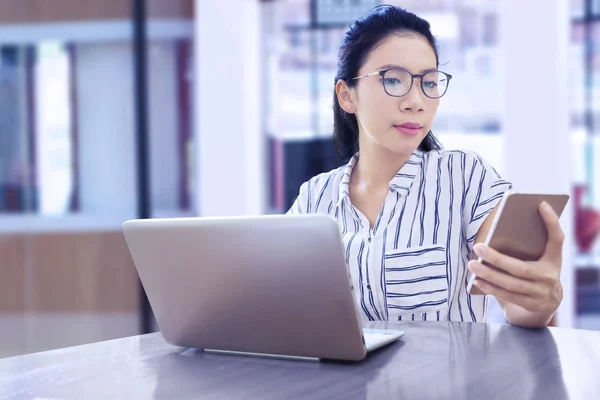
(409,129)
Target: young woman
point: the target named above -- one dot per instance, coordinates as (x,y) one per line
(410,214)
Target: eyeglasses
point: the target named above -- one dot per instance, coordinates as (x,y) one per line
(397,82)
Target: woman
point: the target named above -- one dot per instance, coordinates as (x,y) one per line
(410,213)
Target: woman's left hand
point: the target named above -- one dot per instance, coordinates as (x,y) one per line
(534,286)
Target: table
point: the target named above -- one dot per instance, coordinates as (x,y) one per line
(432,360)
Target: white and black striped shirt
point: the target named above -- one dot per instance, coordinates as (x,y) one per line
(412,264)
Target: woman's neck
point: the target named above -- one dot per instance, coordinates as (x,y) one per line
(377,166)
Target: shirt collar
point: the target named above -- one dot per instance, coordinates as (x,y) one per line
(400,183)
(405,177)
(344,190)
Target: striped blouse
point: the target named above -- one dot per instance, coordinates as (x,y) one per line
(412,264)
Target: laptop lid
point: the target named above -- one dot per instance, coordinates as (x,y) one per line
(268,284)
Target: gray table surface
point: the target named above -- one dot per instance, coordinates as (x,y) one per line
(432,361)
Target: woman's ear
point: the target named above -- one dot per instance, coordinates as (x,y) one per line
(345,97)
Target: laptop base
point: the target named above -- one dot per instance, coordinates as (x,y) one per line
(261,355)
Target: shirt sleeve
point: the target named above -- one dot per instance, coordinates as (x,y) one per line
(483,191)
(301,204)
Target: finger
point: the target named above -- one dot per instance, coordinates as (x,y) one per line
(556,236)
(511,265)
(503,280)
(505,295)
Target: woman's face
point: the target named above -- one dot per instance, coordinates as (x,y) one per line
(389,122)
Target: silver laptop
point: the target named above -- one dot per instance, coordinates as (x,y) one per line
(268,285)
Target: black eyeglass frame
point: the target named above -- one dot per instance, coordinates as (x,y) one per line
(412,79)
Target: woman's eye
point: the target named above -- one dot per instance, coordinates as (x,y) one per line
(392,81)
(430,84)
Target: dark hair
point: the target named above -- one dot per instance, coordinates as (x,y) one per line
(363,36)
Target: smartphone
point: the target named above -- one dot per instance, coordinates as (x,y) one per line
(518,229)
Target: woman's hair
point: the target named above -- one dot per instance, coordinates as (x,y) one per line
(363,36)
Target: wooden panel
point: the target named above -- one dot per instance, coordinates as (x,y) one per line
(8,11)
(91,272)
(171,9)
(28,11)
(12,275)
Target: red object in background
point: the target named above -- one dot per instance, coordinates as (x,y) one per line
(587,222)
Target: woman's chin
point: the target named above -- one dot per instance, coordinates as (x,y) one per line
(398,146)
(405,147)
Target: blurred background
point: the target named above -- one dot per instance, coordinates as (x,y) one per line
(112,109)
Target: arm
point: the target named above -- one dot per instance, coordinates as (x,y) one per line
(528,292)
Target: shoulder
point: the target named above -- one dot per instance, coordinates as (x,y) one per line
(461,161)
(458,154)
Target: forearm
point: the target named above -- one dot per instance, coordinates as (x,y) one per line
(517,315)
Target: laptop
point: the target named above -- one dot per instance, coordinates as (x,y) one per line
(273,285)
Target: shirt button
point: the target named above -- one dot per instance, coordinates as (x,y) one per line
(368,287)
(369,239)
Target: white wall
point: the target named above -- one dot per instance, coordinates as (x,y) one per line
(230,146)
(536,110)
